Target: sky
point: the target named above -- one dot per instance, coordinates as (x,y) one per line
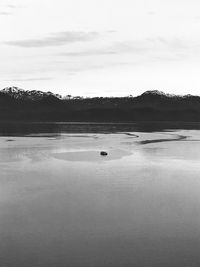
(100,47)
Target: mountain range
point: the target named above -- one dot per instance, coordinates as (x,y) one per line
(22,94)
(25,105)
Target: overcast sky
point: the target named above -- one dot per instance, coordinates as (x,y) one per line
(100,47)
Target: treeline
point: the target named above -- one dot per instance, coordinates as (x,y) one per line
(147,107)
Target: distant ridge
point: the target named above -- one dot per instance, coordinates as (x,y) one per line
(19,93)
(161,93)
(22,94)
(152,105)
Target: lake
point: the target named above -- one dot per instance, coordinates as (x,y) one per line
(63,204)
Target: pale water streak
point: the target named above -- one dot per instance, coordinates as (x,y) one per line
(62,204)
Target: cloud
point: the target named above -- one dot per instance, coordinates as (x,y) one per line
(12,6)
(151,13)
(56,39)
(126,53)
(114,49)
(7,9)
(29,79)
(94,52)
(5,13)
(148,45)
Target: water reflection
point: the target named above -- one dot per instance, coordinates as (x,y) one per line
(24,128)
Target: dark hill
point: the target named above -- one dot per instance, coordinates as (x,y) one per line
(19,104)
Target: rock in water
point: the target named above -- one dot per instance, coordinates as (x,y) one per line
(103,153)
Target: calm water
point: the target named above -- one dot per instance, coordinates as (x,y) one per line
(64,205)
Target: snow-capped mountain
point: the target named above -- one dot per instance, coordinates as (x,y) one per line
(162,94)
(22,94)
(159,93)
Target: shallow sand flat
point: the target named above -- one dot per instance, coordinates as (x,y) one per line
(62,204)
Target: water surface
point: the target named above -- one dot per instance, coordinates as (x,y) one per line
(62,204)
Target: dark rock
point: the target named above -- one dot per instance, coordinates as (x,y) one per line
(103,153)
